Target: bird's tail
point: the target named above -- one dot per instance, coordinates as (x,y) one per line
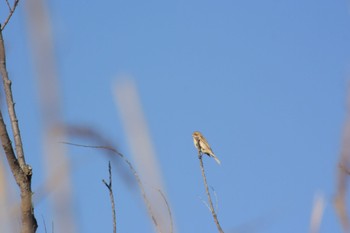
(216,159)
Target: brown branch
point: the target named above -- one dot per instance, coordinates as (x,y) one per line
(10,14)
(10,154)
(109,186)
(21,172)
(29,224)
(212,210)
(11,107)
(143,192)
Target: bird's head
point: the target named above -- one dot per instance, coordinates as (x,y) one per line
(196,134)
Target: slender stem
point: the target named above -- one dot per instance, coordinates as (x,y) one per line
(10,14)
(169,211)
(138,179)
(109,186)
(208,193)
(8,5)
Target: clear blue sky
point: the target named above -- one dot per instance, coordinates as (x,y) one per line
(265,82)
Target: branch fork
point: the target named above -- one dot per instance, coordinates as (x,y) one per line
(21,171)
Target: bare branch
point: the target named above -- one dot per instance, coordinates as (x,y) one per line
(10,154)
(109,186)
(8,5)
(143,192)
(11,107)
(207,191)
(21,172)
(29,223)
(216,199)
(169,210)
(10,14)
(204,202)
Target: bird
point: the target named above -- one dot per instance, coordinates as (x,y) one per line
(201,144)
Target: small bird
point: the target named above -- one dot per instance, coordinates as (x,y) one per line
(201,144)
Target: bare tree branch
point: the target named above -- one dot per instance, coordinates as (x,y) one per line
(29,224)
(213,213)
(109,187)
(12,10)
(11,107)
(10,154)
(21,172)
(143,192)
(8,5)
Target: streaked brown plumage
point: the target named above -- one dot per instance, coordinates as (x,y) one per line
(200,141)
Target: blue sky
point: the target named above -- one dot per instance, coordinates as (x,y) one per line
(264,81)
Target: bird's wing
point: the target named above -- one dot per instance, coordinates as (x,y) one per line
(205,143)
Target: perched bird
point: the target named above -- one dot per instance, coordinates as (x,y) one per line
(201,144)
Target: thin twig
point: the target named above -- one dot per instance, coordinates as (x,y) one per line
(205,203)
(8,5)
(90,134)
(109,186)
(169,210)
(10,14)
(143,192)
(216,199)
(208,193)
